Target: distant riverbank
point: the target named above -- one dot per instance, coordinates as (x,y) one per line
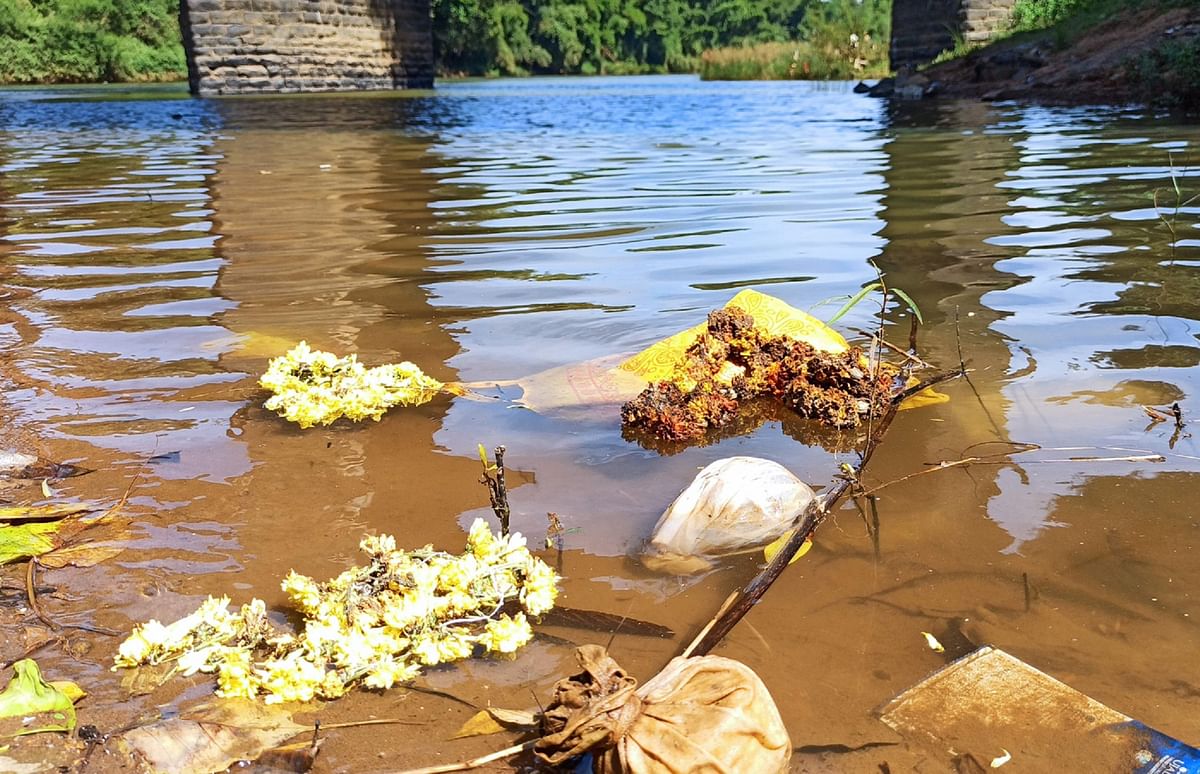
(90,41)
(1108,52)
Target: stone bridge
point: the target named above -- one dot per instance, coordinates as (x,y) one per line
(280,46)
(922,29)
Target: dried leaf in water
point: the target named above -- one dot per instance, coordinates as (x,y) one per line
(926,397)
(479,724)
(69,689)
(23,513)
(495,720)
(514,719)
(82,555)
(600,621)
(27,694)
(933,643)
(213,737)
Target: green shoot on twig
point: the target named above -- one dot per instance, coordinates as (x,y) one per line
(868,290)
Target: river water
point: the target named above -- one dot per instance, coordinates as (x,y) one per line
(157,250)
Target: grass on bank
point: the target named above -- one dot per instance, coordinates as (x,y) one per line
(839,40)
(797,60)
(88,41)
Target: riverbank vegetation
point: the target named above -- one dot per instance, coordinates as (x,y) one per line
(721,38)
(80,41)
(838,40)
(1165,72)
(1082,51)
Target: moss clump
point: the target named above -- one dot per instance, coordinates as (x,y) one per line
(734,361)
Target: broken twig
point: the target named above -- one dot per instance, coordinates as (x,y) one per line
(474,763)
(493,478)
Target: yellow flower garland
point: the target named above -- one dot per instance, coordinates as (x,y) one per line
(312,387)
(376,625)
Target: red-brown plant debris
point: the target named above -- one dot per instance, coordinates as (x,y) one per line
(733,361)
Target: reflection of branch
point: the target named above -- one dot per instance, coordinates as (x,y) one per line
(1002,458)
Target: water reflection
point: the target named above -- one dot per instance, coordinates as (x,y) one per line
(107,223)
(156,254)
(325,237)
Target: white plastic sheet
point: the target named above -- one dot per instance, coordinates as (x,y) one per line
(734,505)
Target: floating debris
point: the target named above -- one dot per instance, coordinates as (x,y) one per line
(313,387)
(375,625)
(735,360)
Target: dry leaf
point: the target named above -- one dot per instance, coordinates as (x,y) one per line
(479,724)
(82,555)
(1000,760)
(212,737)
(22,513)
(31,537)
(495,720)
(933,643)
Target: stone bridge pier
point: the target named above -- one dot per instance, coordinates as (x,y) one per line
(282,46)
(922,29)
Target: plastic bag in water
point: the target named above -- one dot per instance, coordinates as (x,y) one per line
(732,506)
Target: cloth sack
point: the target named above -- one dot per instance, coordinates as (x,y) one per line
(707,715)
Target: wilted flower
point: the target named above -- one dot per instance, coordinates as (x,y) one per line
(312,387)
(376,625)
(505,635)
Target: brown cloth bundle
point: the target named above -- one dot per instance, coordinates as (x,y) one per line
(708,714)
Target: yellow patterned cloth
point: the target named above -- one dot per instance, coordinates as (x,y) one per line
(657,362)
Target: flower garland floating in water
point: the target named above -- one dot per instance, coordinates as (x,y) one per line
(376,625)
(312,387)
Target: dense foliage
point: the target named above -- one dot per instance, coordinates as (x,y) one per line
(838,39)
(1039,14)
(512,37)
(57,41)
